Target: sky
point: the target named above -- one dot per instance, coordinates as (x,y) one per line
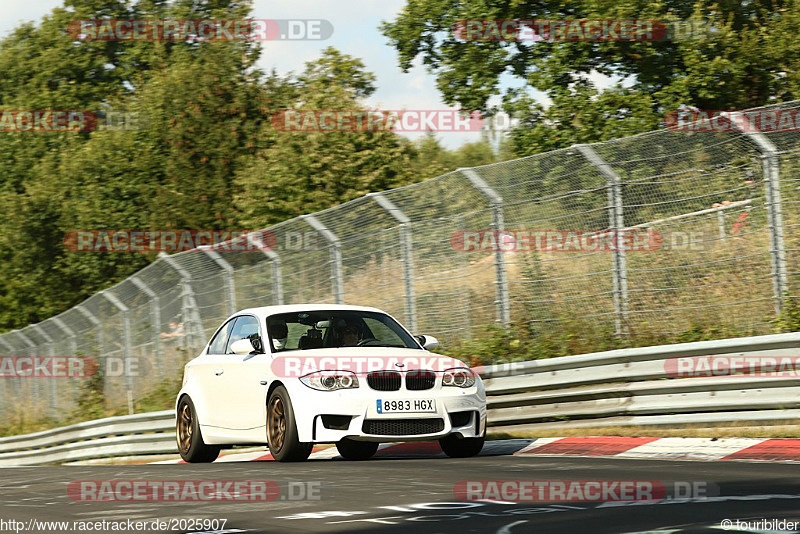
(355,33)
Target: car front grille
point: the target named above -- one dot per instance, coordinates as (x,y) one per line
(384,380)
(420,380)
(402,427)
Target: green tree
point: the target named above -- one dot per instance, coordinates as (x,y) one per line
(199,105)
(749,58)
(301,172)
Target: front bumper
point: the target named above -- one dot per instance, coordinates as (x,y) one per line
(355,416)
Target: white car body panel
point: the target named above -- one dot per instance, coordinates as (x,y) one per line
(231,406)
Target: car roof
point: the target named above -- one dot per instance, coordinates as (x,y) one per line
(266,311)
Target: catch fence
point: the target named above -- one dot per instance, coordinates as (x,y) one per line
(719,211)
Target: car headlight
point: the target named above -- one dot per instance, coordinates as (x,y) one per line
(460,377)
(330,380)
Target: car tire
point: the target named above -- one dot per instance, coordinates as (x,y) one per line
(191,446)
(282,437)
(350,449)
(456,447)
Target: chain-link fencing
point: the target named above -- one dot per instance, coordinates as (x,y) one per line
(475,247)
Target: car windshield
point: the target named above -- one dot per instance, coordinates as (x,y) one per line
(336,328)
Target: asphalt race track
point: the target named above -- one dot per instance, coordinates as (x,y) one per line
(416,495)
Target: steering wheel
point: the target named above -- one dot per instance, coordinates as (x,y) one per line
(366,341)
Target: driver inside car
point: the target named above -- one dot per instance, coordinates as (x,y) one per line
(349,334)
(278,331)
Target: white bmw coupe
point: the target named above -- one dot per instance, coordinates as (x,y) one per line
(293,376)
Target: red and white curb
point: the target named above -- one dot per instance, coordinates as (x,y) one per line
(704,449)
(701,449)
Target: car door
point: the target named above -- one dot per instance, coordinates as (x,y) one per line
(244,397)
(209,373)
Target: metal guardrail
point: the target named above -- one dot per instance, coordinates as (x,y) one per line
(146,433)
(619,387)
(634,387)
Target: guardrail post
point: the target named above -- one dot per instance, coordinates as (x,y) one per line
(191,317)
(126,344)
(155,318)
(31,344)
(337,277)
(407,251)
(51,351)
(617,224)
(498,223)
(229,281)
(275,262)
(771,168)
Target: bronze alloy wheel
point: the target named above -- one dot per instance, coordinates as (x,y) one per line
(188,436)
(282,436)
(185,426)
(277,422)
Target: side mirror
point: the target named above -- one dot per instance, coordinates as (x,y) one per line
(258,345)
(244,346)
(428,342)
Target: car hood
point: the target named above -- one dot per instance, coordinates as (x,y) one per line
(360,360)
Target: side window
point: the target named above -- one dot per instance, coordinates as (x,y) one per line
(245,327)
(217,345)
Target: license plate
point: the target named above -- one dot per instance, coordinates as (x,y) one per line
(410,406)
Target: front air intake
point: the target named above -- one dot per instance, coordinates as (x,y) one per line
(384,380)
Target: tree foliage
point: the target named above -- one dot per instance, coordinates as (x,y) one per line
(743,55)
(203,155)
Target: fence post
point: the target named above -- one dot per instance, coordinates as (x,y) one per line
(275,262)
(4,389)
(51,351)
(126,345)
(30,344)
(337,277)
(73,347)
(616,222)
(155,319)
(70,333)
(770,165)
(407,251)
(498,223)
(229,281)
(96,322)
(191,317)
